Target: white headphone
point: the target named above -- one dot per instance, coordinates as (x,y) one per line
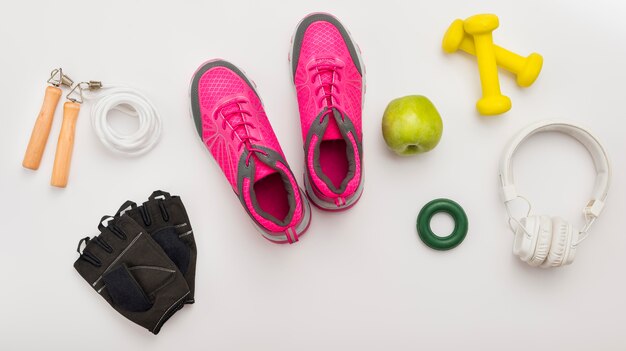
(551,241)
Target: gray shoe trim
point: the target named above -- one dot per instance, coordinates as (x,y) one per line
(331,206)
(304,224)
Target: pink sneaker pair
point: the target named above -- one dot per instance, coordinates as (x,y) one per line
(230,119)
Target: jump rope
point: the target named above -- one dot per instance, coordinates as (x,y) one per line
(109,97)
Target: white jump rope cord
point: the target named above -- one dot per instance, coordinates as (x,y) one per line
(115,97)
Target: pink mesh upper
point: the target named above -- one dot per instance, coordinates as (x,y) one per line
(217,87)
(222,95)
(323,44)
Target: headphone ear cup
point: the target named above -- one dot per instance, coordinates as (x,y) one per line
(561,251)
(571,254)
(526,237)
(544,241)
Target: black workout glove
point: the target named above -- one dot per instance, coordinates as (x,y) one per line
(165,219)
(132,273)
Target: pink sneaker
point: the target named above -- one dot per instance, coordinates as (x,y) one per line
(232,124)
(328,74)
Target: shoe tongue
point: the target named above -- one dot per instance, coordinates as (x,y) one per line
(234,118)
(261,170)
(332,130)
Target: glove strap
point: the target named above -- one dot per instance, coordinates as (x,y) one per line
(160,193)
(111,227)
(128,205)
(80,243)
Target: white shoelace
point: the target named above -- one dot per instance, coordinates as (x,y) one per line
(132,103)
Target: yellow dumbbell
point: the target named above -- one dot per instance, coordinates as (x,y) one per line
(480,27)
(525,68)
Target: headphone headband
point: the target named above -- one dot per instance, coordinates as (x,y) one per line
(598,154)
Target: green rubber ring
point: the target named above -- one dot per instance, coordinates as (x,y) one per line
(460,224)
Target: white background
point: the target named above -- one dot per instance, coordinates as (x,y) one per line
(361,279)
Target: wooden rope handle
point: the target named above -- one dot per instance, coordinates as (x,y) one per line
(65,145)
(41,130)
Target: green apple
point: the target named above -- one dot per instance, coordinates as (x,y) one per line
(411,125)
